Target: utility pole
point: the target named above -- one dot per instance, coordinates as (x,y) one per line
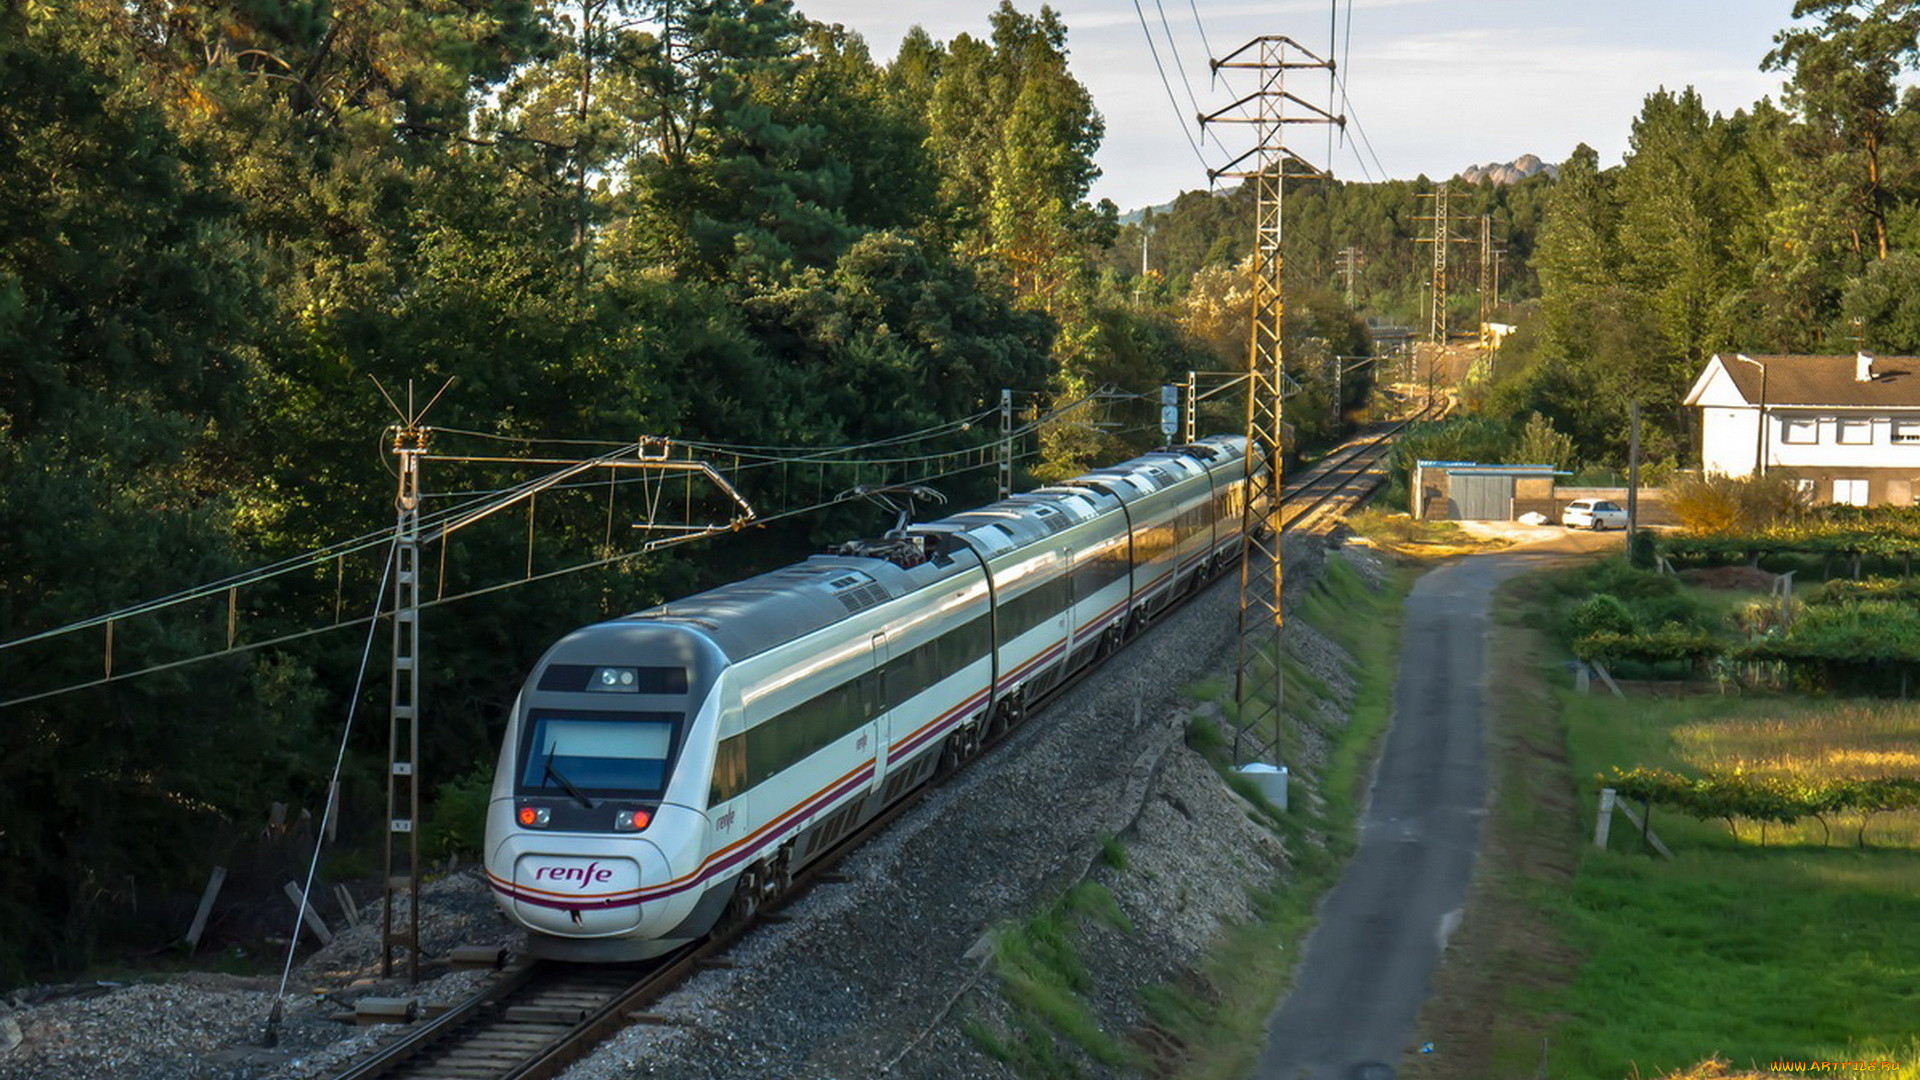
(402,862)
(1633,472)
(1259,687)
(403,727)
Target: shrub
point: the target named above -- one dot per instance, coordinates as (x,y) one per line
(458,822)
(1716,505)
(1540,444)
(1640,549)
(1601,613)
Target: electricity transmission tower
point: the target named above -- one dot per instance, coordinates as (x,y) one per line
(1270,108)
(1437,279)
(1351,260)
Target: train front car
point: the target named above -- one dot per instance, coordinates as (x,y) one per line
(596,826)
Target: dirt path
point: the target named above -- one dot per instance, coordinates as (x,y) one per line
(1370,961)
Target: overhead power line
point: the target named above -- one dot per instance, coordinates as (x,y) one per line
(1168,86)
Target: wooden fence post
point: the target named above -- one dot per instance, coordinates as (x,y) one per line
(308,915)
(199,926)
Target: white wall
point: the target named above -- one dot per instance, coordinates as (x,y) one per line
(1727,441)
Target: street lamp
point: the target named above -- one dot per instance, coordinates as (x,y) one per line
(1760,434)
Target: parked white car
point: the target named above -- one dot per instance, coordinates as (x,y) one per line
(1595,514)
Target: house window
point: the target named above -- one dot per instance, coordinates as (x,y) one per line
(1804,488)
(1906,431)
(1855,432)
(1850,492)
(1799,431)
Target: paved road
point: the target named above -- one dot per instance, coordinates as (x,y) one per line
(1369,962)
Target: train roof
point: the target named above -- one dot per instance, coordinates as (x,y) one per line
(746,618)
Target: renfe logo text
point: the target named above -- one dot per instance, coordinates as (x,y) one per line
(591,874)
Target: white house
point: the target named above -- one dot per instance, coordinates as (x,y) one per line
(1846,427)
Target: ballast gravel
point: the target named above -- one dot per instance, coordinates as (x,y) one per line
(887,971)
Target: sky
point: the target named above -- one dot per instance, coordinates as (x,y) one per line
(1435,85)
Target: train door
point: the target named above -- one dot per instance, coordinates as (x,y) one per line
(1068,600)
(880,732)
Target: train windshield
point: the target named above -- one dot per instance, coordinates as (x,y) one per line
(629,754)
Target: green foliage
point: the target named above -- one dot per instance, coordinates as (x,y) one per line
(1601,613)
(457,823)
(1642,549)
(1892,533)
(1845,72)
(1765,798)
(1843,591)
(1667,644)
(1864,632)
(1540,444)
(1044,979)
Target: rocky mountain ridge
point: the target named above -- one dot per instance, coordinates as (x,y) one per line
(1508,172)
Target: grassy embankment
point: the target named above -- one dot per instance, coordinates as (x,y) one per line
(1784,944)
(1217,1016)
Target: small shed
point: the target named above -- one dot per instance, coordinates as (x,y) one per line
(1470,491)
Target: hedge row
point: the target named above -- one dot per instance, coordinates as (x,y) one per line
(1721,549)
(1657,646)
(1778,799)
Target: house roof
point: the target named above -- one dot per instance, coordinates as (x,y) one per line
(1822,381)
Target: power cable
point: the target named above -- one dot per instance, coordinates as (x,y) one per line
(1171,100)
(1198,25)
(1180,65)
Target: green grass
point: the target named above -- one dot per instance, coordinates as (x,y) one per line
(1793,951)
(1758,956)
(1367,625)
(1042,980)
(1218,1017)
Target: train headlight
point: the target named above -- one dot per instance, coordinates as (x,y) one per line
(615,680)
(630,820)
(535,817)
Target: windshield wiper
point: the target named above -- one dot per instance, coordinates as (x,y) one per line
(564,782)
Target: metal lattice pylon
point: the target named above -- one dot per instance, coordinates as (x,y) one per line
(402,873)
(1259,690)
(1437,281)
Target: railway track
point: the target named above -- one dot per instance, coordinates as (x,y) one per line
(536,1018)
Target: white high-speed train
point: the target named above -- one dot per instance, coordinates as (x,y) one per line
(669,770)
